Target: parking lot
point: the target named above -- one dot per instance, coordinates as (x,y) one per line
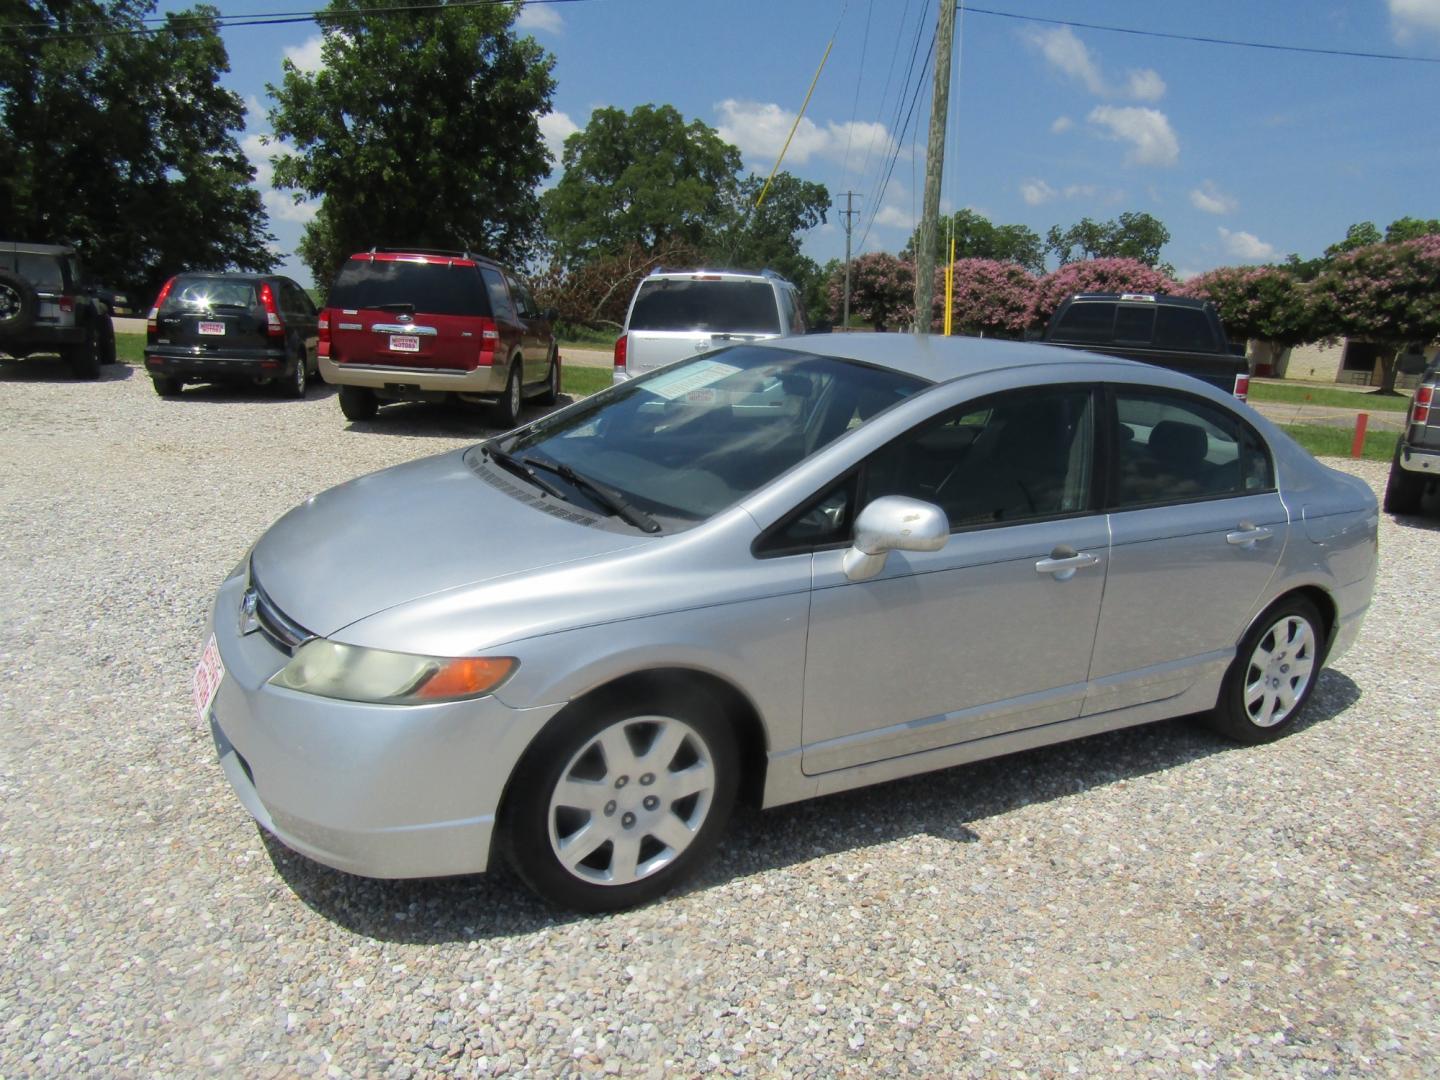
(1154,901)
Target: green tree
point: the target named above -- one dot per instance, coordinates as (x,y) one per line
(143,174)
(1138,236)
(977,238)
(768,236)
(1267,303)
(645,177)
(419,128)
(1409,228)
(1361,234)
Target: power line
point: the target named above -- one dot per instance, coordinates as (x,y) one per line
(1203,40)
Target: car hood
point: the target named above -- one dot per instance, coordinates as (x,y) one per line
(408,532)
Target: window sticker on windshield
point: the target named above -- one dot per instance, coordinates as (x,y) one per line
(677,384)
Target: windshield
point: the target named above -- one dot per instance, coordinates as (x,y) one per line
(691,439)
(209,293)
(742,307)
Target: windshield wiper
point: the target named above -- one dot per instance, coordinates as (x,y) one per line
(607,497)
(521,469)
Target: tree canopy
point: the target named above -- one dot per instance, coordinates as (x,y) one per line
(977,238)
(143,173)
(645,177)
(1264,302)
(418,129)
(1097,275)
(1137,236)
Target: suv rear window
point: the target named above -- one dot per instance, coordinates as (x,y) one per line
(430,288)
(44,272)
(739,306)
(208,293)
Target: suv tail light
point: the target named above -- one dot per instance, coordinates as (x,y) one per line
(622,349)
(273,326)
(323,333)
(1242,387)
(67,304)
(151,324)
(1423,402)
(489,342)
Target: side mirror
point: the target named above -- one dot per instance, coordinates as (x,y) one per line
(893,523)
(1410,363)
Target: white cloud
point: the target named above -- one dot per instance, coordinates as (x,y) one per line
(1145,85)
(1035,192)
(540,17)
(306,56)
(1211,199)
(759,130)
(1148,132)
(895,217)
(1068,54)
(282,206)
(1409,16)
(1061,125)
(555,127)
(1244,245)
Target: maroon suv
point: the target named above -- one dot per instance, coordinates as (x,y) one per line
(421,325)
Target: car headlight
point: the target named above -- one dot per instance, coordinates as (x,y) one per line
(353,673)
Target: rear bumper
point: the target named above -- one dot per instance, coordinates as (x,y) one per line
(182,363)
(1414,459)
(486,380)
(42,338)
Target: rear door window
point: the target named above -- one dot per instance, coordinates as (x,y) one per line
(428,288)
(1175,448)
(681,304)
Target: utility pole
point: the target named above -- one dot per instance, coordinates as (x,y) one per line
(849,215)
(934,168)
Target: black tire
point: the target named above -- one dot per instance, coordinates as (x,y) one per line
(107,341)
(1404,490)
(84,359)
(166,385)
(18,303)
(1267,673)
(358,403)
(551,393)
(507,409)
(631,812)
(297,382)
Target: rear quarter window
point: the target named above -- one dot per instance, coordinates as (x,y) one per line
(429,288)
(677,304)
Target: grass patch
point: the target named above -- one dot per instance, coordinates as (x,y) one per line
(1335,442)
(130,348)
(1320,395)
(584,337)
(583,381)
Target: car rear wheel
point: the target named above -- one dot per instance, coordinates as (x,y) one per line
(299,381)
(507,409)
(1273,673)
(166,385)
(84,359)
(617,804)
(358,403)
(552,381)
(1403,491)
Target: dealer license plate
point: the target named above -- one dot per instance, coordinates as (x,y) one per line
(213,329)
(208,673)
(404,343)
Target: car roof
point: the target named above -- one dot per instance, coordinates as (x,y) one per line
(934,356)
(231,275)
(1159,298)
(36,249)
(702,273)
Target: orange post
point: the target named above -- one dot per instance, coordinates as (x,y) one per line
(1358,446)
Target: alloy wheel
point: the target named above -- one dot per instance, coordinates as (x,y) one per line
(1280,671)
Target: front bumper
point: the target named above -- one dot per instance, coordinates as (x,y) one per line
(376,790)
(486,380)
(1413,459)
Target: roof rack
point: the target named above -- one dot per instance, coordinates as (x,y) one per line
(444,253)
(718,270)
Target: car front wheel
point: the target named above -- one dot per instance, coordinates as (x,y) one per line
(1273,673)
(620,805)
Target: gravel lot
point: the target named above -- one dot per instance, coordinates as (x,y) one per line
(1154,901)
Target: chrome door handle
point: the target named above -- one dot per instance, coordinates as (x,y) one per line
(1247,535)
(1063,562)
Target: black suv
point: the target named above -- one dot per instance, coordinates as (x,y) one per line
(1416,465)
(218,328)
(47,306)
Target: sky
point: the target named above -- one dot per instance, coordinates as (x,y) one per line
(1246,154)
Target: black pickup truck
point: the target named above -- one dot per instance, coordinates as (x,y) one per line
(1173,332)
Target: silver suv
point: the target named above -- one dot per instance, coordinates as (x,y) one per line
(47,306)
(678,313)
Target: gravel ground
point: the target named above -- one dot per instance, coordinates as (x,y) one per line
(1153,901)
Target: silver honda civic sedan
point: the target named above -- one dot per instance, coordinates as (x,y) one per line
(787,568)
